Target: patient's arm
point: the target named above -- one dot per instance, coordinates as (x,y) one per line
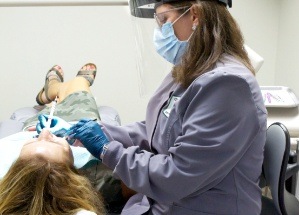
(126,192)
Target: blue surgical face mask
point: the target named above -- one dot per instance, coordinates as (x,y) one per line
(167,44)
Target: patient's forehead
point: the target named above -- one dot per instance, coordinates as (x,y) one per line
(48,146)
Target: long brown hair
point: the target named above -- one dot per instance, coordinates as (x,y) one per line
(37,186)
(216,34)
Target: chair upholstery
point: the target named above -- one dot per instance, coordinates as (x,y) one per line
(276,155)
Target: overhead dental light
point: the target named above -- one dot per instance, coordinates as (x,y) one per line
(146,8)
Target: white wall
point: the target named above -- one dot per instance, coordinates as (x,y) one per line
(259,23)
(32,39)
(287,73)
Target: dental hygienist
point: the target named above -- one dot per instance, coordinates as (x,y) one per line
(200,149)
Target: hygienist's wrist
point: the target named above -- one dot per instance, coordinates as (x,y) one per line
(113,154)
(105,148)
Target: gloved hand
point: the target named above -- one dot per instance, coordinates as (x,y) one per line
(90,135)
(58,126)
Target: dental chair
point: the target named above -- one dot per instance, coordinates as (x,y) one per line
(275,172)
(101,176)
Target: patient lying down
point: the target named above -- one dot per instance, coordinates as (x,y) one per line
(43,180)
(46,164)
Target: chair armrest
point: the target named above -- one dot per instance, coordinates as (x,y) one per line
(292,169)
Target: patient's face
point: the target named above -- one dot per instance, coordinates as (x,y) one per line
(48,146)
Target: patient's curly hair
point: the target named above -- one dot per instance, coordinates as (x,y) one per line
(37,186)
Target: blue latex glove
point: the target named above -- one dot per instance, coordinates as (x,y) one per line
(90,135)
(58,126)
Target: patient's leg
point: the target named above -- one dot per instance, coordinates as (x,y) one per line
(81,82)
(55,87)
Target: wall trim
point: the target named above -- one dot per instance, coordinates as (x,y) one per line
(46,3)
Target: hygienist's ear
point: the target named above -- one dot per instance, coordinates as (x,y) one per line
(194,14)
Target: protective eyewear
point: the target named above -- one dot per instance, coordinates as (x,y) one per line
(160,17)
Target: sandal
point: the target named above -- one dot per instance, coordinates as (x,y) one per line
(88,74)
(58,76)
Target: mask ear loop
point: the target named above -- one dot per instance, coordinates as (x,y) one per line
(181,16)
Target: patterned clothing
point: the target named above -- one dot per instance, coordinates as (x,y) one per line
(74,107)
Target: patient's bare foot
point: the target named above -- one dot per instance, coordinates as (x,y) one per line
(88,71)
(55,73)
(52,74)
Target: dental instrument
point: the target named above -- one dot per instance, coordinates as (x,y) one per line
(51,113)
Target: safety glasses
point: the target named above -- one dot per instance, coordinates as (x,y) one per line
(161,18)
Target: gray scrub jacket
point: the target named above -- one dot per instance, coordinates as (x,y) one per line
(200,150)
